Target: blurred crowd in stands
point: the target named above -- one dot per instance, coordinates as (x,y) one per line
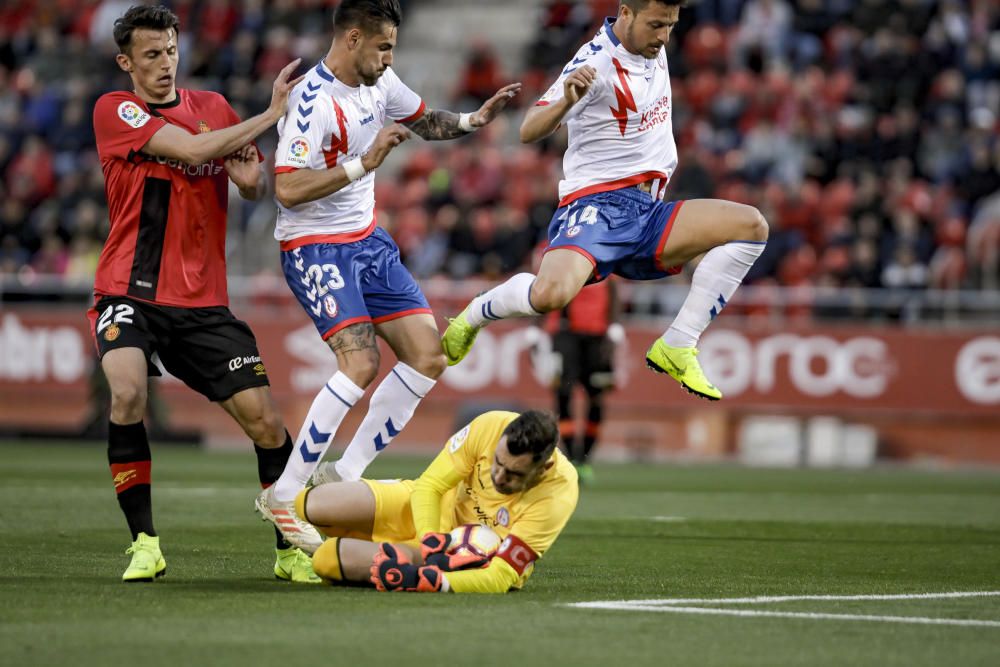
(866,131)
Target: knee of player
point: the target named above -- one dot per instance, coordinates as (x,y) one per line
(128,397)
(431,364)
(548,295)
(360,365)
(756,226)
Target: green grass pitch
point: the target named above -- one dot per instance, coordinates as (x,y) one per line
(640,532)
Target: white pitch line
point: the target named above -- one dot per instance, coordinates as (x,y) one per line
(789,614)
(674,606)
(763,599)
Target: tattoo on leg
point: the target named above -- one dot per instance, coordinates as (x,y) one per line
(437,124)
(355,338)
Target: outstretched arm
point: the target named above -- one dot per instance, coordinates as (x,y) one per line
(437,124)
(173,142)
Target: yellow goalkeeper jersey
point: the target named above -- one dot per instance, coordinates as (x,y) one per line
(457,489)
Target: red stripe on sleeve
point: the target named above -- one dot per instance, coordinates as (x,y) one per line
(417,114)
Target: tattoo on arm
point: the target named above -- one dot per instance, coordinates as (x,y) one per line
(437,124)
(355,338)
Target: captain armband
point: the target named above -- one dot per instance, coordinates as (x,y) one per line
(516,553)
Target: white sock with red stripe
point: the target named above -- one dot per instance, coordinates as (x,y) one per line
(390,409)
(714,282)
(328,409)
(510,299)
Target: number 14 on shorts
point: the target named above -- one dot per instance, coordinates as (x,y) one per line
(572,227)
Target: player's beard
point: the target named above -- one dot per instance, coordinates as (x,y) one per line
(371,78)
(645,49)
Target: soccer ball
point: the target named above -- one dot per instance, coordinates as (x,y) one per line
(475,540)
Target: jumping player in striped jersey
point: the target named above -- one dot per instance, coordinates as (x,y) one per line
(614,96)
(345,270)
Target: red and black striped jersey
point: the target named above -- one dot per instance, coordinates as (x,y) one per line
(168,219)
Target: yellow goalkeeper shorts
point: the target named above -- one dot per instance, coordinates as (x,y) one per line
(393,516)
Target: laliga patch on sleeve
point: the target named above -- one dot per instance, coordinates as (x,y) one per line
(132,114)
(458,439)
(298,152)
(517,554)
(551,94)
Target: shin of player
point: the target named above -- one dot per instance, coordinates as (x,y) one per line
(615,99)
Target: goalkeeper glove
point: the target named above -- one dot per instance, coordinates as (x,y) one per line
(434,543)
(392,571)
(434,549)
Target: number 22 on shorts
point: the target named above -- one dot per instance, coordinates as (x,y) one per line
(118,313)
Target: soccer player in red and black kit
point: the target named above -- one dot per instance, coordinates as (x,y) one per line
(167,156)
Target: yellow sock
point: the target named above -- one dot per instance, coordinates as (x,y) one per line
(300,503)
(326,560)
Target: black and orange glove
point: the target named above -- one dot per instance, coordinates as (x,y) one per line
(434,543)
(434,549)
(392,571)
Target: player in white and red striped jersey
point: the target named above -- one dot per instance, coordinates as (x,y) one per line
(328,122)
(344,269)
(611,143)
(615,98)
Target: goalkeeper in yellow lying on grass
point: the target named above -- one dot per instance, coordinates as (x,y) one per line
(503,470)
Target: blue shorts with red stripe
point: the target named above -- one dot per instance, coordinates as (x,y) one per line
(620,231)
(340,284)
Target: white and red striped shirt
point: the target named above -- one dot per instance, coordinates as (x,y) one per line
(620,132)
(329,123)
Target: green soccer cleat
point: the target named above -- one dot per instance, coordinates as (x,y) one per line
(294,565)
(147,560)
(584,473)
(681,363)
(458,337)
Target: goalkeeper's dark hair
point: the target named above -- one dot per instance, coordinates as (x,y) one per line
(369,15)
(150,18)
(535,432)
(638,5)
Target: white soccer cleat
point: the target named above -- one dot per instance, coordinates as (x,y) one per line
(296,530)
(325,473)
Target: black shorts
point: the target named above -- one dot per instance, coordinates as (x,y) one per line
(206,348)
(585,359)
